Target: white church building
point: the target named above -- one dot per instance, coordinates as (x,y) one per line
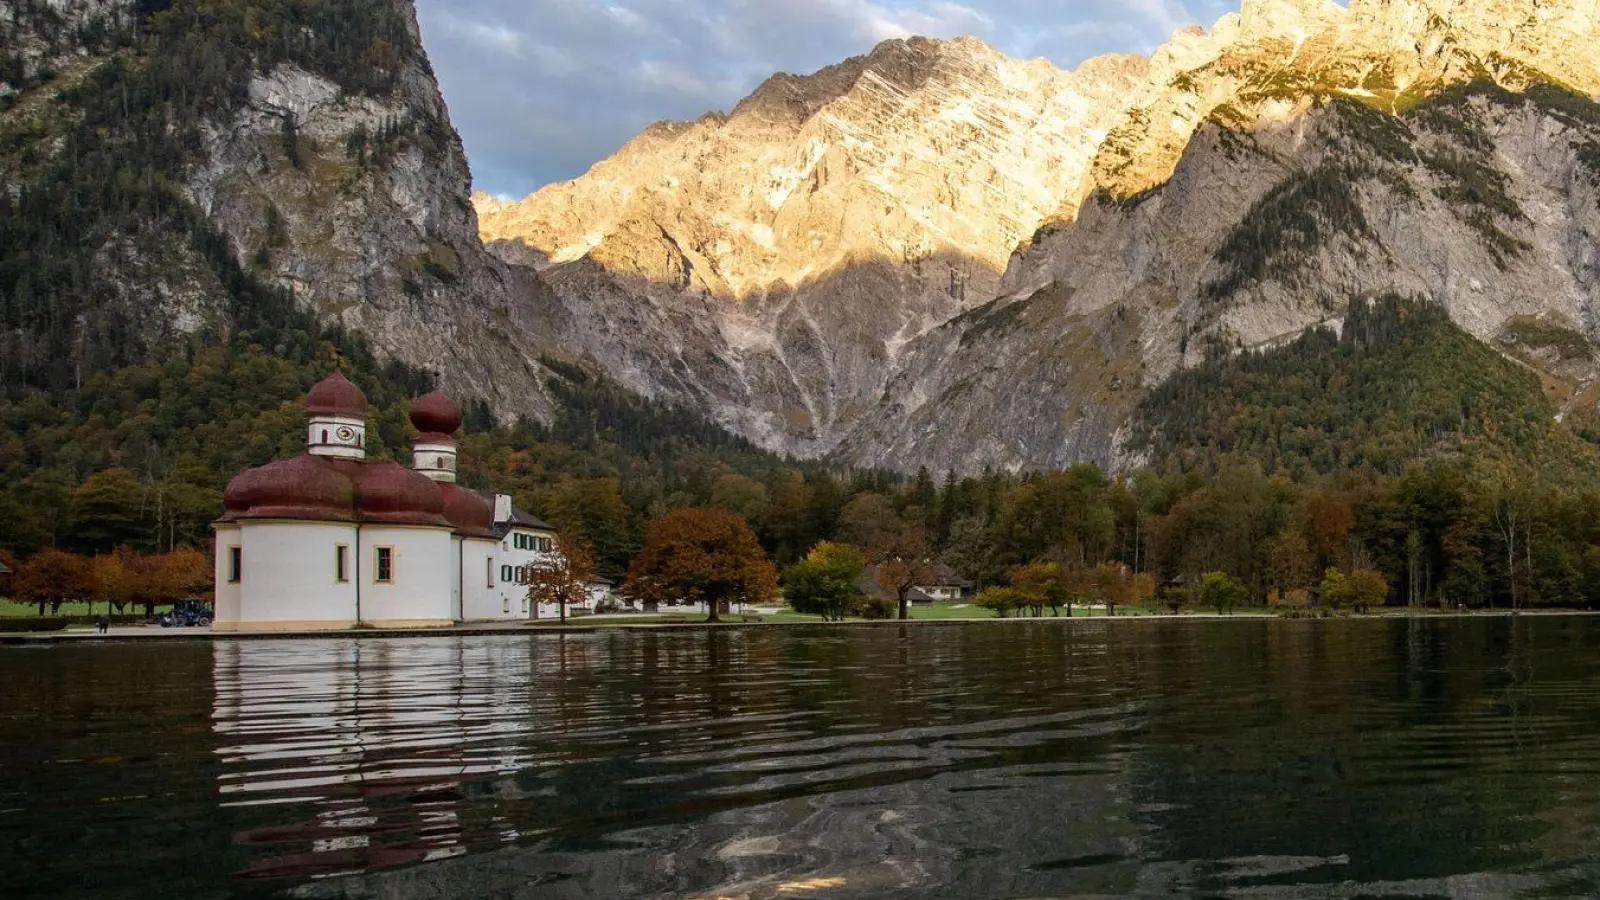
(331,540)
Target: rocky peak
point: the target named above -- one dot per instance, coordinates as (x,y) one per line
(1286,17)
(791,263)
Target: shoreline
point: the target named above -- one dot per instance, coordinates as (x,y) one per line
(156,633)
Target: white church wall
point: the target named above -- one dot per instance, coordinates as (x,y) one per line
(420,591)
(457,595)
(226,609)
(482,599)
(289,578)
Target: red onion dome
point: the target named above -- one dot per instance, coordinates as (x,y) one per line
(305,487)
(388,493)
(435,414)
(336,396)
(470,513)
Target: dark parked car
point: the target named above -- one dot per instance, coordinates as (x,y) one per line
(187,614)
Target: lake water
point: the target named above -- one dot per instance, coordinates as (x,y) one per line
(1422,758)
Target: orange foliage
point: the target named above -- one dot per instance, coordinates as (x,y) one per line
(53,577)
(563,580)
(702,556)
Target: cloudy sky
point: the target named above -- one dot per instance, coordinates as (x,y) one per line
(542,89)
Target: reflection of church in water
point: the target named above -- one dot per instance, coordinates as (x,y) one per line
(354,755)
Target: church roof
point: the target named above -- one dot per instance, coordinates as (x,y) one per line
(435,415)
(469,511)
(304,487)
(320,489)
(388,493)
(336,396)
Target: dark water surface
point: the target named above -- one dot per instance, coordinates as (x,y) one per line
(1442,758)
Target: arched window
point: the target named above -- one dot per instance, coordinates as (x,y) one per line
(324,435)
(438,462)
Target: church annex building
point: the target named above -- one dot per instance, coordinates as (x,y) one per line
(331,540)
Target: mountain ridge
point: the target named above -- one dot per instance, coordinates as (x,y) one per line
(1025,152)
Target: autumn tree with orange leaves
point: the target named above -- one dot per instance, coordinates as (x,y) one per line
(705,556)
(905,559)
(53,577)
(563,579)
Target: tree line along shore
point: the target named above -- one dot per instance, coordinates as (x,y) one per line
(856,546)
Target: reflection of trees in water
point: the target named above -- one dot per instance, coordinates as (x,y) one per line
(106,770)
(1411,748)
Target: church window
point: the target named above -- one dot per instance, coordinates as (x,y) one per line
(383,568)
(341,563)
(488,575)
(324,435)
(235,565)
(438,462)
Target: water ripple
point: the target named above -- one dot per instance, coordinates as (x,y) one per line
(1281,759)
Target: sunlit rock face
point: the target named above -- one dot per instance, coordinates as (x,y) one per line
(937,255)
(773,262)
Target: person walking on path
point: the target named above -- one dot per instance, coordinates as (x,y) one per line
(103,624)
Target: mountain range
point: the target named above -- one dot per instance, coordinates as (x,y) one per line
(937,255)
(932,255)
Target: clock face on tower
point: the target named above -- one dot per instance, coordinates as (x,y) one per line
(346,434)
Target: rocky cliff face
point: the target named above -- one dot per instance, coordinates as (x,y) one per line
(771,263)
(937,255)
(358,204)
(40,38)
(215,152)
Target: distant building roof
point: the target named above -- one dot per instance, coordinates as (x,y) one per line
(942,577)
(521,518)
(600,581)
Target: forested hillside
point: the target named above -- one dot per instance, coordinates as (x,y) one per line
(95,160)
(138,456)
(1399,384)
